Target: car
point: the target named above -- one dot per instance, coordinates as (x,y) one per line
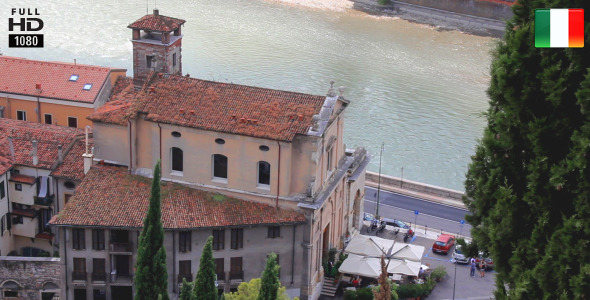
(443,244)
(458,255)
(369,217)
(488,261)
(395,223)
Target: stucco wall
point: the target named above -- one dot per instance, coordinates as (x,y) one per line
(31,274)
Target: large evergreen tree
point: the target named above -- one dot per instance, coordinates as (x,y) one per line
(270,279)
(186,291)
(204,288)
(151,276)
(528,185)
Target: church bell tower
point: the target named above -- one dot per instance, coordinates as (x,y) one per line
(157,44)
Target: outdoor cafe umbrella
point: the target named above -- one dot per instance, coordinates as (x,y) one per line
(368,246)
(404,267)
(407,251)
(361,265)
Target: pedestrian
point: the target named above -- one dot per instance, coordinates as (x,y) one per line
(482,268)
(472,263)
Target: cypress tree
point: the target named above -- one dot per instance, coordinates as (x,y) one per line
(205,283)
(151,277)
(270,279)
(528,184)
(186,292)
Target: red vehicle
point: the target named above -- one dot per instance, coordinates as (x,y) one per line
(444,244)
(489,262)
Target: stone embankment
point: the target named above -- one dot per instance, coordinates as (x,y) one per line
(416,189)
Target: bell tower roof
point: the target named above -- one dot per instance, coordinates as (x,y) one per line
(157,22)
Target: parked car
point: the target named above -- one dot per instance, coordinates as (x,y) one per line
(396,223)
(444,244)
(458,255)
(488,261)
(369,217)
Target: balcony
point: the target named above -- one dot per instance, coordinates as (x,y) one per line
(79,276)
(120,279)
(44,201)
(121,248)
(189,277)
(44,233)
(99,277)
(221,276)
(236,276)
(25,212)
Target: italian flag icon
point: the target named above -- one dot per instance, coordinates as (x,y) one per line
(559,28)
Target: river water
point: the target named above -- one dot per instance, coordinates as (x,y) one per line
(418,90)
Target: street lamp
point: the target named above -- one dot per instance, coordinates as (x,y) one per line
(379,183)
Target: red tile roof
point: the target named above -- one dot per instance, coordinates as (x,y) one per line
(5,157)
(23,178)
(72,166)
(20,76)
(110,197)
(117,110)
(157,23)
(48,138)
(217,106)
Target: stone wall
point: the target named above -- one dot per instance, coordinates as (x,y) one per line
(29,276)
(497,10)
(415,186)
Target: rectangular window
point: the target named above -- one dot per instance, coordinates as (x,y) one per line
(177,160)
(263,173)
(274,232)
(21,115)
(184,269)
(184,241)
(98,266)
(174,59)
(79,269)
(218,239)
(18,186)
(148,61)
(48,119)
(220,166)
(220,268)
(329,160)
(67,197)
(237,238)
(73,122)
(235,268)
(2,221)
(98,239)
(2,191)
(79,294)
(78,241)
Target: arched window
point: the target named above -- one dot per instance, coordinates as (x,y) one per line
(263,173)
(220,166)
(177,160)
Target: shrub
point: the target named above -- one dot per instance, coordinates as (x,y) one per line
(409,291)
(438,273)
(364,294)
(350,295)
(383,2)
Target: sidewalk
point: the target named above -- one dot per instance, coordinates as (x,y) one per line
(423,196)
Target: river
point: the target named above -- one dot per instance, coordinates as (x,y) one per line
(418,90)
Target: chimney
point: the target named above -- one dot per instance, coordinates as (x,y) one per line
(34,153)
(11,146)
(60,154)
(156,12)
(88,157)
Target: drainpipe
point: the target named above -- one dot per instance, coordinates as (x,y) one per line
(160,141)
(293,257)
(130,148)
(38,87)
(279,175)
(65,260)
(174,284)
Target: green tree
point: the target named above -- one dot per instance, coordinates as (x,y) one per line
(186,292)
(205,283)
(270,279)
(528,184)
(250,290)
(151,276)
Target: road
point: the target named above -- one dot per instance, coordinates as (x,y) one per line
(435,216)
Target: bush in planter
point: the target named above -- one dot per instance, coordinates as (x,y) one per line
(350,295)
(364,294)
(409,290)
(438,273)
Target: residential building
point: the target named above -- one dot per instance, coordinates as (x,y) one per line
(55,93)
(250,148)
(29,194)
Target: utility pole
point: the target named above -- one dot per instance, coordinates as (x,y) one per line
(379,184)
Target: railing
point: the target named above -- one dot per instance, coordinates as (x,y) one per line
(44,201)
(121,247)
(79,276)
(221,276)
(44,233)
(99,277)
(189,277)
(236,275)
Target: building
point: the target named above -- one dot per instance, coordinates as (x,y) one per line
(53,92)
(30,155)
(249,146)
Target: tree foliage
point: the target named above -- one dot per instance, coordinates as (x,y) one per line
(151,276)
(204,288)
(250,290)
(270,279)
(528,185)
(186,292)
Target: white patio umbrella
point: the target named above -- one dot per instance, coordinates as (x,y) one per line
(407,251)
(366,246)
(360,265)
(404,267)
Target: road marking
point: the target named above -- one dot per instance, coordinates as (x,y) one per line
(416,198)
(413,210)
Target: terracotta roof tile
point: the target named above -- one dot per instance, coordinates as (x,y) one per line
(20,76)
(224,107)
(117,109)
(48,138)
(157,23)
(110,197)
(72,166)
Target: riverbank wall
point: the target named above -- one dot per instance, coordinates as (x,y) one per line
(416,189)
(479,17)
